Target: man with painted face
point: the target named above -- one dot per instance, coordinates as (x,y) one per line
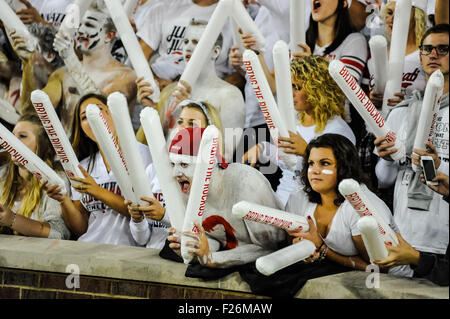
(226,98)
(100,71)
(223,240)
(164,31)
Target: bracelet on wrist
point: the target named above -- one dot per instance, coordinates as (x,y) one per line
(323,253)
(13,221)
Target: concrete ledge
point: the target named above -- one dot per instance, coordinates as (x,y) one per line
(352,285)
(143,264)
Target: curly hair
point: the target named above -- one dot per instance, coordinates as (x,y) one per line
(420,24)
(347,163)
(311,73)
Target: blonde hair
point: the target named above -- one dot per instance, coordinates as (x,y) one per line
(214,116)
(420,24)
(311,72)
(11,182)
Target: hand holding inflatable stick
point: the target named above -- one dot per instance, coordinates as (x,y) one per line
(56,134)
(110,147)
(153,131)
(364,106)
(24,156)
(206,160)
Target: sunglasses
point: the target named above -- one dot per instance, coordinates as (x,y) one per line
(441,49)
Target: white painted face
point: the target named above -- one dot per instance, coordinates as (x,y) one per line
(91,33)
(183,170)
(192,37)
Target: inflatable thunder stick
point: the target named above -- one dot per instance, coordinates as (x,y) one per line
(153,131)
(110,147)
(267,103)
(378,50)
(56,134)
(23,155)
(206,43)
(364,106)
(371,236)
(131,44)
(117,103)
(237,40)
(397,51)
(352,192)
(297,25)
(270,216)
(285,101)
(12,22)
(270,264)
(206,160)
(247,24)
(72,20)
(8,112)
(428,113)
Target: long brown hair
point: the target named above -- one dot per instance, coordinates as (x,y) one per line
(81,143)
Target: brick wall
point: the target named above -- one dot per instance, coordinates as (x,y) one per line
(20,284)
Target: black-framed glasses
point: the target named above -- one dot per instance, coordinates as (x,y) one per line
(441,49)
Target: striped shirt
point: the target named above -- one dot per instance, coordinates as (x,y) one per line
(352,52)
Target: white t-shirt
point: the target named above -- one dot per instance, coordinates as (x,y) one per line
(426,231)
(413,75)
(289,182)
(52,11)
(105,225)
(149,232)
(344,224)
(164,31)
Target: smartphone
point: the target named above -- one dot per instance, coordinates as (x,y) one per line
(429,170)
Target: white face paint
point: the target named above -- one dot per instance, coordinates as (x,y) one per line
(91,33)
(324,171)
(192,37)
(183,170)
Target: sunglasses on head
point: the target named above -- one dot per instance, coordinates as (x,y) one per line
(441,49)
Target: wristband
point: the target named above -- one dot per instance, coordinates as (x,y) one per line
(13,221)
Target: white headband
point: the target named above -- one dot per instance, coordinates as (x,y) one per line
(197,103)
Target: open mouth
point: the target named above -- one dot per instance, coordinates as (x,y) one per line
(187,57)
(316,5)
(185,184)
(83,40)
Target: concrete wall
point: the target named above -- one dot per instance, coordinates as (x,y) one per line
(38,268)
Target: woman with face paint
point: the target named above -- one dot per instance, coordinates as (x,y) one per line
(25,208)
(413,74)
(329,159)
(149,223)
(95,212)
(320,109)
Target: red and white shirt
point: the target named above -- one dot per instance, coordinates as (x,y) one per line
(413,74)
(352,52)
